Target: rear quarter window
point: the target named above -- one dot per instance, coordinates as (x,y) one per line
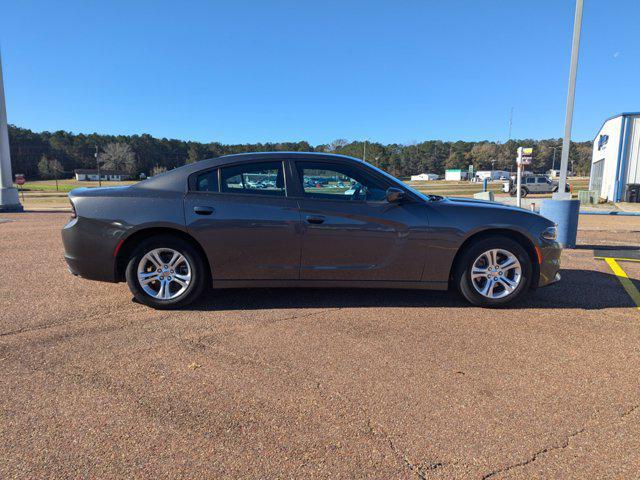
(207,181)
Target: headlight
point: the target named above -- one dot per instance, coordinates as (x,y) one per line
(550,233)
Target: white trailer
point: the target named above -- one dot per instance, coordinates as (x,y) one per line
(424,176)
(492,174)
(455,175)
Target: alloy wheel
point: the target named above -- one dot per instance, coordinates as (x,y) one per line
(164,273)
(496,273)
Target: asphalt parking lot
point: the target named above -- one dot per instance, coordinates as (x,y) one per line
(318,383)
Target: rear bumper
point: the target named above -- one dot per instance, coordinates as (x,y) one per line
(91,269)
(550,265)
(87,255)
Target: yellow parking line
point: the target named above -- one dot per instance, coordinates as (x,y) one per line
(625,281)
(621,259)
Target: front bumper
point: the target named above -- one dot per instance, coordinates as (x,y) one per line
(550,263)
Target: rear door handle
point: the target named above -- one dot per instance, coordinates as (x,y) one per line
(203,210)
(315,219)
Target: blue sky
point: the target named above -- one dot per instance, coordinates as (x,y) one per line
(248,71)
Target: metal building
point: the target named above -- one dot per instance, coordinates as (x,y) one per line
(615,166)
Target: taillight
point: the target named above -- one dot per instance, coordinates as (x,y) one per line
(73,210)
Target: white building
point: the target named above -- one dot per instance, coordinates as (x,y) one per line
(492,174)
(105,175)
(455,174)
(615,165)
(424,176)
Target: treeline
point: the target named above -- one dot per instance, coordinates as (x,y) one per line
(144,153)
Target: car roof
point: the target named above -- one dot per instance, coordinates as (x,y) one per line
(176,179)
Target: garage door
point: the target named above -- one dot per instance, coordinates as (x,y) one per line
(597,170)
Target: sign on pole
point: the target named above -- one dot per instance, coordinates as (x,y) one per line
(525,154)
(20,181)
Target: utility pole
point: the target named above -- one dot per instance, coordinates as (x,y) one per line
(9,201)
(98,164)
(573,71)
(364,153)
(510,121)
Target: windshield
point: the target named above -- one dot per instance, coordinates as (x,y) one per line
(426,198)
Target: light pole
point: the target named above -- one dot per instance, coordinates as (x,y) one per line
(561,209)
(573,72)
(9,201)
(553,162)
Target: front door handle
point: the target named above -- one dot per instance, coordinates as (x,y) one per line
(203,210)
(315,219)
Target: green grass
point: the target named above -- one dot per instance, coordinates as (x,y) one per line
(65,185)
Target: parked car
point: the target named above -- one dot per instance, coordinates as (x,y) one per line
(532,184)
(203,225)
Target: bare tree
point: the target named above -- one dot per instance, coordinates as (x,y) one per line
(50,168)
(157,170)
(118,156)
(338,144)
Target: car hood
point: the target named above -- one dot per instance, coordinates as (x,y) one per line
(474,201)
(485,204)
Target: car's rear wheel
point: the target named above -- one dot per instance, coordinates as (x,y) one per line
(494,272)
(165,272)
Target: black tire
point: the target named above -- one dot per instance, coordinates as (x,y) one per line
(555,189)
(524,192)
(463,272)
(198,271)
(512,192)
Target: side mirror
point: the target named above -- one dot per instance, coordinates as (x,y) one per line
(395,195)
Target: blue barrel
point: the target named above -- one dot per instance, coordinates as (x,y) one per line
(565,213)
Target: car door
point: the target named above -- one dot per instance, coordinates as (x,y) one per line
(530,183)
(350,231)
(242,217)
(543,185)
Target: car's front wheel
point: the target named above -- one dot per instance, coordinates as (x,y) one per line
(494,272)
(165,272)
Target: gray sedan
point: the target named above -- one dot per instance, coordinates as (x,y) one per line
(302,219)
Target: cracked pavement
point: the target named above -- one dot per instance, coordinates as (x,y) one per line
(316,383)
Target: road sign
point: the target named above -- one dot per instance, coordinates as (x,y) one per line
(20,180)
(525,154)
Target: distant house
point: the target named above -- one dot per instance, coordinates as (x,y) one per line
(424,176)
(84,175)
